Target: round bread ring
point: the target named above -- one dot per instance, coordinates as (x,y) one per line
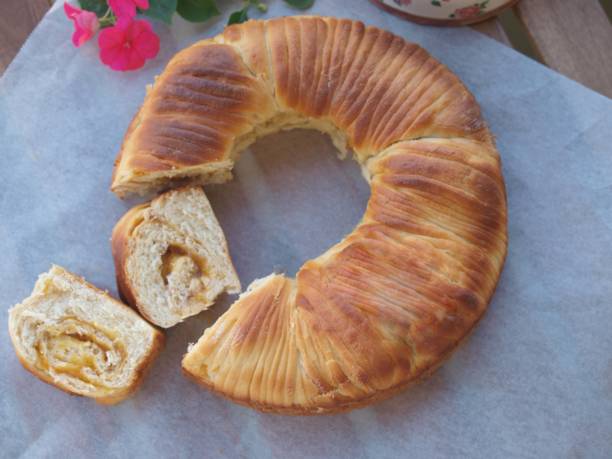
(393,299)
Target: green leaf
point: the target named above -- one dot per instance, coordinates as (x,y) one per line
(436,3)
(197,10)
(96,6)
(161,10)
(300,4)
(239,16)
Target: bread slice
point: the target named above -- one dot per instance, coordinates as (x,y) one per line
(171,257)
(74,336)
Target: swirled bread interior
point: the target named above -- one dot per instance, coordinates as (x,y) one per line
(76,337)
(388,303)
(171,257)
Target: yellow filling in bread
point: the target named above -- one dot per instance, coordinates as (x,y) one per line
(79,350)
(180,266)
(177,257)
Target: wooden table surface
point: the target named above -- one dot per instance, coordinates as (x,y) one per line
(573,37)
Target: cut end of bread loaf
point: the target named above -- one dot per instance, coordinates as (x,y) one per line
(171,257)
(76,337)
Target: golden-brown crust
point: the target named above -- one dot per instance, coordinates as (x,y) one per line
(392,300)
(128,134)
(247,39)
(138,375)
(331,409)
(213,97)
(193,115)
(120,249)
(384,306)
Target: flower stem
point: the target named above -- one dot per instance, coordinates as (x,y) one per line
(108,19)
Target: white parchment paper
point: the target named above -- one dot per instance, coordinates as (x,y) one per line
(534,380)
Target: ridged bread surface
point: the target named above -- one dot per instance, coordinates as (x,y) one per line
(390,302)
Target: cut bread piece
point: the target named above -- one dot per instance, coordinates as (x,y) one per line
(74,336)
(171,257)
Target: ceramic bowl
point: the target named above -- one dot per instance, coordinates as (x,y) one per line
(445,12)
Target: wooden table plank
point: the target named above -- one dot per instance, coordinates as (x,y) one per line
(18,19)
(573,37)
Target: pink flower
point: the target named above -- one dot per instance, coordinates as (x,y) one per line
(127,8)
(85,24)
(127,44)
(468,12)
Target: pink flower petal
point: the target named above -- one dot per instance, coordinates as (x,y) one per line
(147,45)
(135,61)
(108,55)
(128,44)
(111,36)
(78,38)
(123,8)
(70,10)
(142,4)
(137,27)
(85,24)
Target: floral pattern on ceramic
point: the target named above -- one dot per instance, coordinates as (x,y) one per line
(470,11)
(446,9)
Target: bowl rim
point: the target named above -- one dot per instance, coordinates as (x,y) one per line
(445,22)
